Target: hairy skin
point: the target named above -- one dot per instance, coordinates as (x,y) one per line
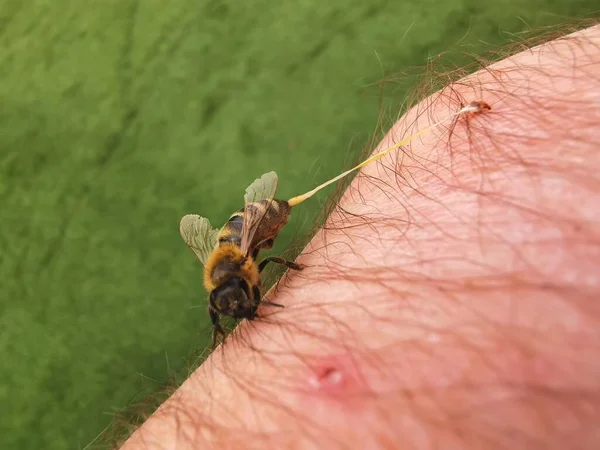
(451,299)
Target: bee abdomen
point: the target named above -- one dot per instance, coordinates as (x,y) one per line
(274,215)
(271,214)
(232,231)
(273,210)
(238,217)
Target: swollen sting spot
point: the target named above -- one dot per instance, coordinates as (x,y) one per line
(450,300)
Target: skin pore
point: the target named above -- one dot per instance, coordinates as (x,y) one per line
(451,299)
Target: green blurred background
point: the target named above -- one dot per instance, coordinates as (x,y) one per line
(119,116)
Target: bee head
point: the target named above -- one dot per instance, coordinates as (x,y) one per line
(232,298)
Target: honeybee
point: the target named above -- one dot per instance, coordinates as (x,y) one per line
(231,272)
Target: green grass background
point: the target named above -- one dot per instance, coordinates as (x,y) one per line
(118,117)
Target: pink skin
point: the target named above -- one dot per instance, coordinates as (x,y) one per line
(456,307)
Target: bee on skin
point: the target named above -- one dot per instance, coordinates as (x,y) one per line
(231,273)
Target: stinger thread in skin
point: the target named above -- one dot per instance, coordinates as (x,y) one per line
(474,107)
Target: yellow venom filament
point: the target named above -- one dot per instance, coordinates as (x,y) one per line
(474,107)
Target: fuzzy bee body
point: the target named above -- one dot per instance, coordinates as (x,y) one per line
(231,273)
(231,277)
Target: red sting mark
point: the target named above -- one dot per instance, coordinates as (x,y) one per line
(328,378)
(334,375)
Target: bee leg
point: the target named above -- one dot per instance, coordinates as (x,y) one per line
(289,264)
(265,302)
(257,297)
(263,245)
(267,245)
(217,329)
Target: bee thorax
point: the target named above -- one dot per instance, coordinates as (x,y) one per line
(224,270)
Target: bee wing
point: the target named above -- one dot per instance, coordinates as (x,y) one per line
(198,235)
(263,188)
